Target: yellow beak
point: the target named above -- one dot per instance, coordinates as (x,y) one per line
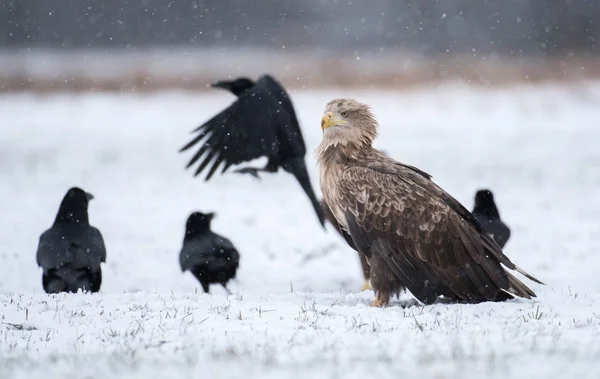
(328,120)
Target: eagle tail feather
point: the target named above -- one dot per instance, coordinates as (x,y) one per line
(527,275)
(518,288)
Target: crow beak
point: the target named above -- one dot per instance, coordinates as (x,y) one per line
(220,84)
(89,196)
(211,215)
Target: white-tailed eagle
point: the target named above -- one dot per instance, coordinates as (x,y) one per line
(414,233)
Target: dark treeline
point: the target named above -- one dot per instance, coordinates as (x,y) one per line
(507,27)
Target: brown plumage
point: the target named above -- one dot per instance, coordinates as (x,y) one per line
(364,261)
(413,232)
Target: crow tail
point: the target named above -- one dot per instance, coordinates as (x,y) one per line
(297,167)
(67,279)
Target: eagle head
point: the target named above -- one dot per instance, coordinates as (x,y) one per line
(349,121)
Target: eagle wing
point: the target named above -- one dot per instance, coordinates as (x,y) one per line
(427,238)
(498,230)
(328,214)
(246,130)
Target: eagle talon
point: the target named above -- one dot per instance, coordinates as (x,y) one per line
(377,303)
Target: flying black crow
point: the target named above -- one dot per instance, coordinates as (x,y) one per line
(210,257)
(486,213)
(261,122)
(71,251)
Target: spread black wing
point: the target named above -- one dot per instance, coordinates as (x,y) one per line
(292,141)
(261,122)
(292,148)
(244,131)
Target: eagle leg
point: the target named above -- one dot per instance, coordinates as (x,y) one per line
(381,299)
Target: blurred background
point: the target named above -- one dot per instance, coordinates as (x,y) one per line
(102,94)
(160,44)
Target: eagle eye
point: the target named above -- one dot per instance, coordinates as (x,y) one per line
(344,114)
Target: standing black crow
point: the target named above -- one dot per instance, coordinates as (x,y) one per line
(210,257)
(261,122)
(486,213)
(71,251)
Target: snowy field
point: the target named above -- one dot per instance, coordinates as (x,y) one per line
(296,310)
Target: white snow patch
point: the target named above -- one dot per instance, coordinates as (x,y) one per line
(296,310)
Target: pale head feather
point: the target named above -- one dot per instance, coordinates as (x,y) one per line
(362,125)
(358,130)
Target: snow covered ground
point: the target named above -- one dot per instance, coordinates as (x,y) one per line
(296,310)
